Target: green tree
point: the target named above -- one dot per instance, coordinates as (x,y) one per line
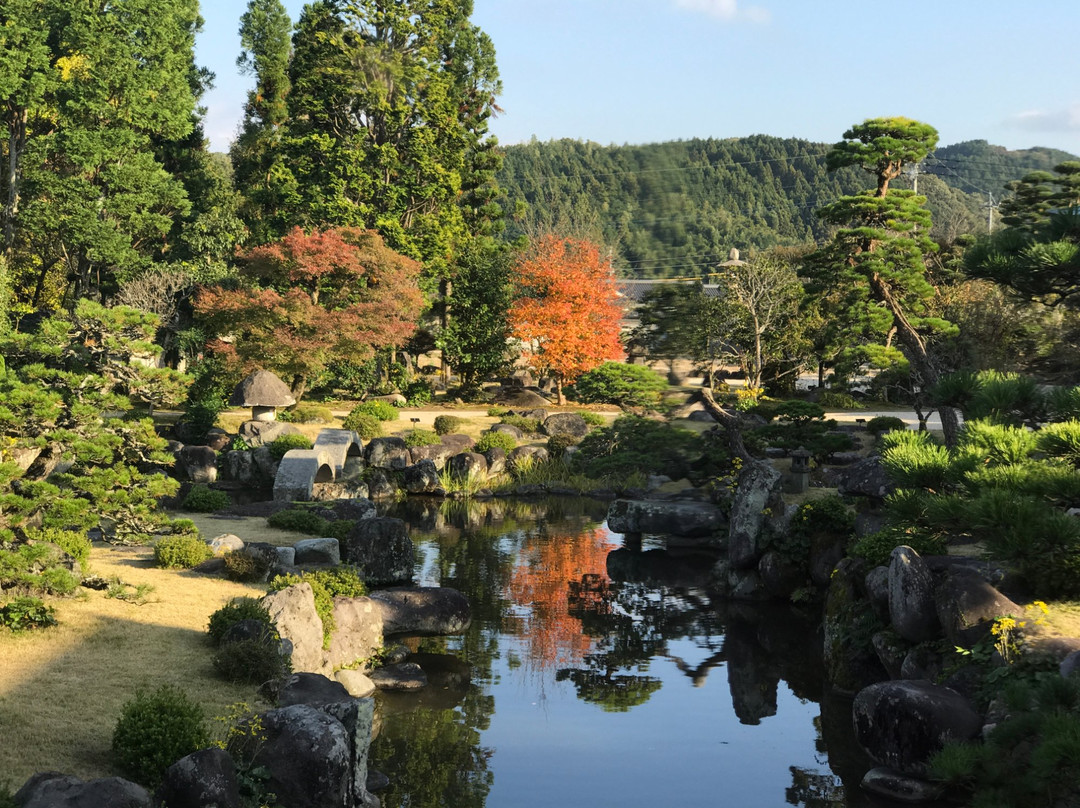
(670,319)
(881,244)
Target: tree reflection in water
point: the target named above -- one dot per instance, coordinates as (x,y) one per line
(553,598)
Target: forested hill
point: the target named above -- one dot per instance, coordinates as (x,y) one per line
(675,209)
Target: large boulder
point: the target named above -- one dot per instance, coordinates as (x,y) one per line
(421,478)
(902,724)
(292,611)
(387,453)
(664,516)
(428,611)
(437,454)
(496,460)
(382,548)
(198,464)
(912,609)
(55,790)
(509,429)
(263,433)
(467,464)
(358,631)
(896,786)
(307,755)
(380,486)
(203,778)
(866,478)
(967,606)
(757,491)
(566,423)
(310,688)
(538,454)
(357,716)
(325,551)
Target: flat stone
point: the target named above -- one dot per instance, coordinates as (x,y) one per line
(895,785)
(226,543)
(318,551)
(401,676)
(358,684)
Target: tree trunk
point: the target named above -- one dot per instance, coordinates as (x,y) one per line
(820,375)
(560,396)
(298,386)
(730,424)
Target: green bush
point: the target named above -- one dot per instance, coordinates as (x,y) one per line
(418,393)
(301,520)
(343,581)
(836,400)
(201,499)
(364,424)
(635,445)
(306,413)
(885,423)
(593,418)
(495,440)
(421,437)
(252,661)
(621,384)
(181,552)
(996,444)
(497,411)
(22,613)
(914,460)
(529,426)
(448,424)
(558,444)
(798,411)
(1060,440)
(383,410)
(155,730)
(234,611)
(73,542)
(245,567)
(877,547)
(288,442)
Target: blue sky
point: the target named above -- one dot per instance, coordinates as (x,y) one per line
(641,71)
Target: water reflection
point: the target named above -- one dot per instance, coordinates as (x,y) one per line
(588,662)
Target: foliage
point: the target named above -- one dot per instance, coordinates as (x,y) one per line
(181,552)
(213,383)
(155,730)
(417,393)
(137,594)
(495,440)
(813,435)
(634,444)
(237,609)
(529,426)
(285,443)
(798,412)
(22,613)
(365,425)
(1060,440)
(32,568)
(253,660)
(497,411)
(877,547)
(73,542)
(312,298)
(673,323)
(1004,398)
(342,581)
(565,310)
(448,424)
(558,444)
(245,567)
(203,499)
(301,520)
(306,413)
(621,384)
(837,400)
(592,418)
(885,423)
(421,437)
(383,410)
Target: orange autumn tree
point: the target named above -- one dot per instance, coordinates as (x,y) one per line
(566,309)
(312,298)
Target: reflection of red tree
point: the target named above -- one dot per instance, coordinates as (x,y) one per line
(547,569)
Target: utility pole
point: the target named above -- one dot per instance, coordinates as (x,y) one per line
(990,206)
(913,172)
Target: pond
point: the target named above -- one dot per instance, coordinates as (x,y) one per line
(600,672)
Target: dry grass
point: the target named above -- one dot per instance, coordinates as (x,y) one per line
(62,690)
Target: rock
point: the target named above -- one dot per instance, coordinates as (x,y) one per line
(340,446)
(458,443)
(318,551)
(358,631)
(239,466)
(912,610)
(757,491)
(664,516)
(357,716)
(921,662)
(566,423)
(993,574)
(437,454)
(825,553)
(523,398)
(382,548)
(844,458)
(265,465)
(538,454)
(877,590)
(283,557)
(496,460)
(849,665)
(203,778)
(311,688)
(867,478)
(901,724)
(55,790)
(292,611)
(426,611)
(421,478)
(536,413)
(198,464)
(967,607)
(263,433)
(701,416)
(891,655)
(1056,649)
(508,429)
(308,757)
(226,543)
(402,676)
(387,453)
(217,439)
(380,486)
(354,509)
(467,464)
(780,576)
(298,471)
(894,785)
(397,399)
(867,522)
(358,684)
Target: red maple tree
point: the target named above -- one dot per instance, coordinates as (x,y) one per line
(312,298)
(566,309)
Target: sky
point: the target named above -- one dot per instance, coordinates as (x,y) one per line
(644,71)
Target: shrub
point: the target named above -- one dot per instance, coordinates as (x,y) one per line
(634,444)
(836,400)
(155,730)
(995,443)
(181,552)
(201,499)
(558,444)
(234,611)
(799,411)
(365,425)
(73,542)
(383,410)
(288,442)
(448,424)
(421,437)
(497,411)
(253,661)
(418,393)
(877,547)
(301,520)
(20,614)
(1060,440)
(528,425)
(913,460)
(622,384)
(245,567)
(343,581)
(306,413)
(493,440)
(593,418)
(885,423)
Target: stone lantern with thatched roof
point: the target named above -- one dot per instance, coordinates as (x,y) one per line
(264,393)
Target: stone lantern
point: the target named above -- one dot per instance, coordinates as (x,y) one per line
(264,393)
(798,478)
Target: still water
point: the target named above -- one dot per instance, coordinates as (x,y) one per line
(599,674)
